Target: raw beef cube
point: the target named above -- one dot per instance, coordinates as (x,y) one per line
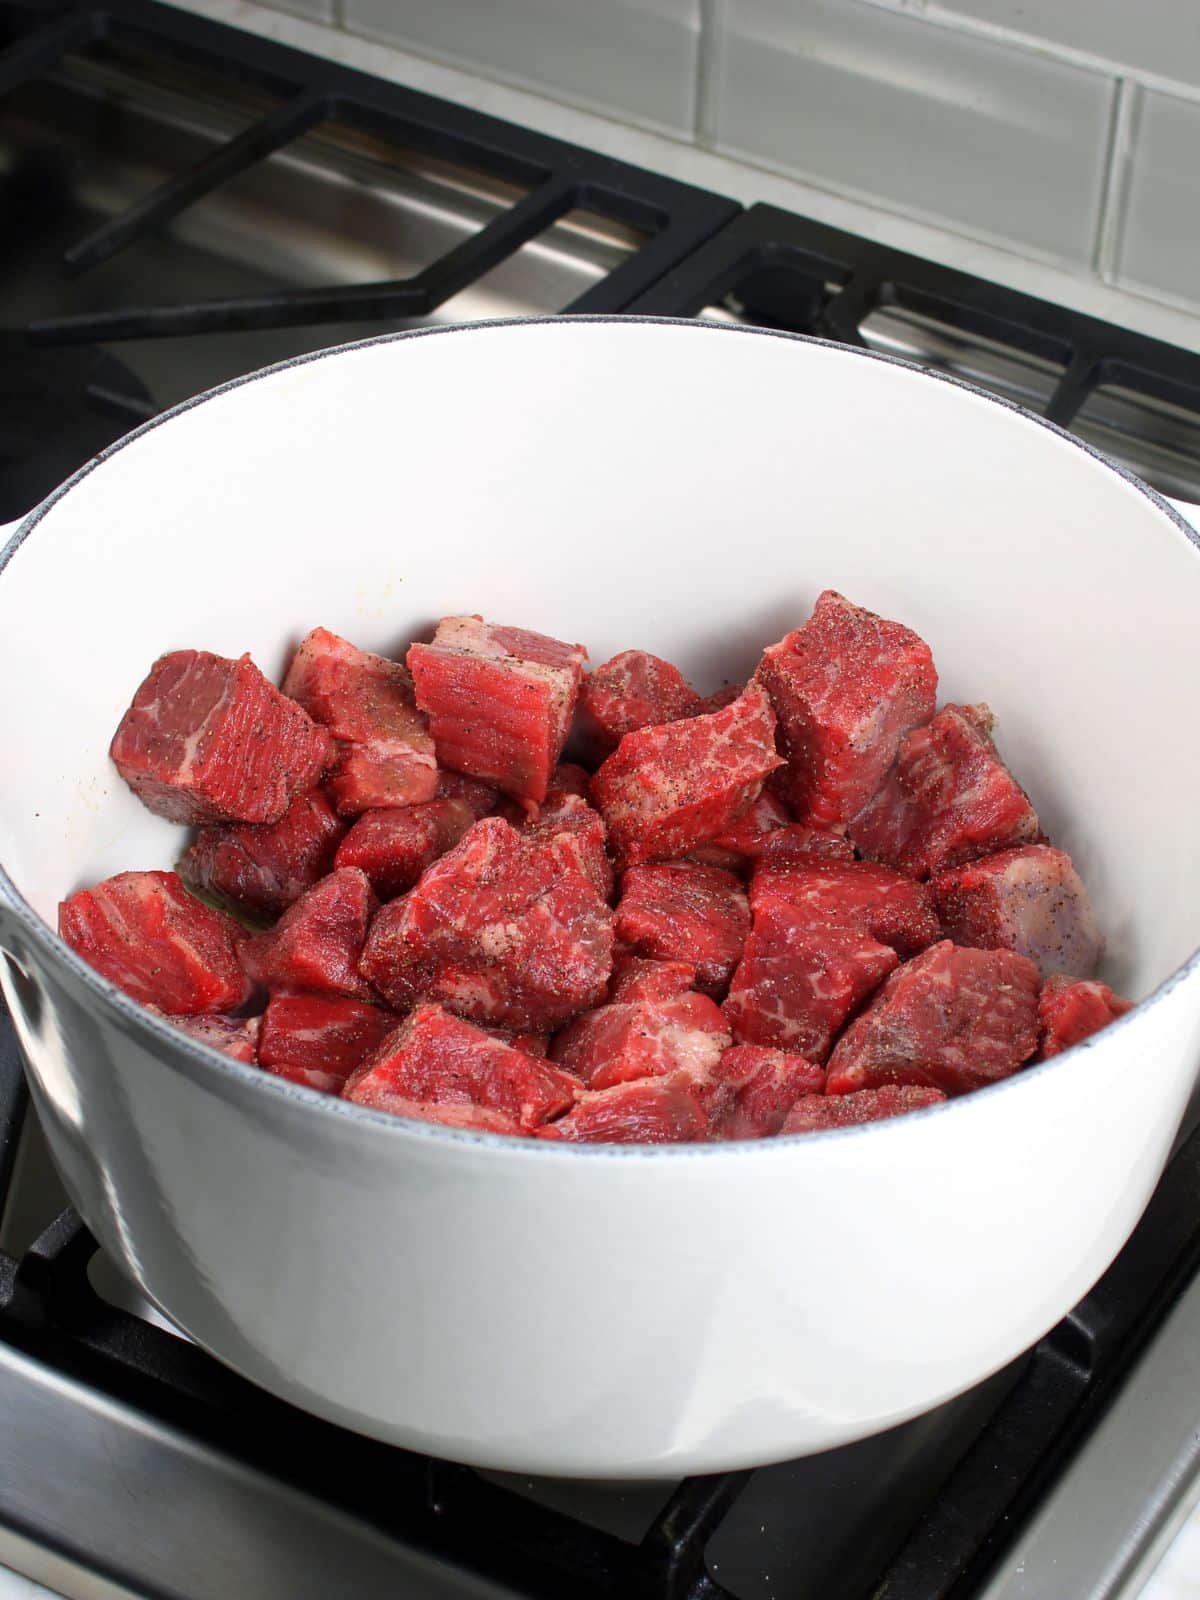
(393,846)
(752,1089)
(569,778)
(317,942)
(759,823)
(211,740)
(712,855)
(654,1111)
(795,843)
(144,932)
(469,1118)
(948,799)
(949,1019)
(815,1112)
(260,870)
(634,690)
(683,1036)
(434,1058)
(1030,900)
(859,895)
(481,799)
(533,1044)
(1070,1011)
(666,790)
(496,930)
(319,1039)
(846,688)
(677,911)
(499,701)
(385,752)
(232,1036)
(722,698)
(575,835)
(797,984)
(635,978)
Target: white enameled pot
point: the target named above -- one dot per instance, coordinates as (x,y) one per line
(688,488)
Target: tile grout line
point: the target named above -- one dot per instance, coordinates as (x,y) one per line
(1110,224)
(703,118)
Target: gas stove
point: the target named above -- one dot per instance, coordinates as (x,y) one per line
(183,203)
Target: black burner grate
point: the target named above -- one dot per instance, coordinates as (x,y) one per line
(1134,397)
(47,357)
(675,217)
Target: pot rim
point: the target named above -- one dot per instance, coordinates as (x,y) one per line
(196,1058)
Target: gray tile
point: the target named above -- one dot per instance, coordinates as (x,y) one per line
(1159,248)
(1160,36)
(629,57)
(925,119)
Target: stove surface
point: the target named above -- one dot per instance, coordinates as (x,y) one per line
(184,204)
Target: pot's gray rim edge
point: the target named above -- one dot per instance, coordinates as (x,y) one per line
(201,1058)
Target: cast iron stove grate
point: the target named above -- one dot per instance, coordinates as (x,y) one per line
(1133,397)
(542,181)
(133,1454)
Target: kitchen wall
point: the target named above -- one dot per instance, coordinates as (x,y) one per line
(1067,131)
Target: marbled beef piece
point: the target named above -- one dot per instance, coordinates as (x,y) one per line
(481,799)
(394,845)
(319,1039)
(1070,1011)
(948,799)
(799,981)
(949,1019)
(232,1036)
(574,833)
(859,895)
(499,701)
(261,869)
(846,688)
(569,777)
(317,943)
(385,752)
(208,739)
(634,690)
(816,1112)
(649,1111)
(533,1044)
(435,1059)
(497,930)
(759,823)
(666,790)
(680,911)
(145,933)
(636,978)
(794,844)
(751,1090)
(680,1038)
(1030,900)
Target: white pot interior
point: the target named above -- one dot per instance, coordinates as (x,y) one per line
(686,488)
